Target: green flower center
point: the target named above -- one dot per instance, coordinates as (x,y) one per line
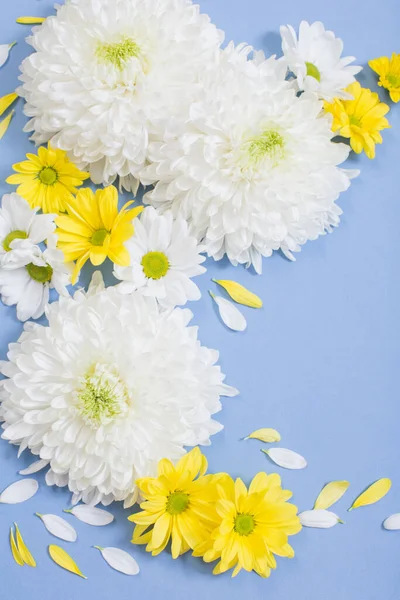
(102,395)
(244,524)
(177,503)
(313,71)
(40,274)
(354,121)
(155,265)
(48,176)
(13,235)
(393,80)
(98,237)
(119,53)
(268,144)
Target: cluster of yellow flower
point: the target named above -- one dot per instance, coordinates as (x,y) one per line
(215,517)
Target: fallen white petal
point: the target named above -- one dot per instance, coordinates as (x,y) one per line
(91,515)
(230,314)
(59,527)
(120,560)
(20,491)
(323,519)
(4,52)
(36,466)
(392,523)
(286,458)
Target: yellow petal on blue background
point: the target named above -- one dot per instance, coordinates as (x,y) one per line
(330,494)
(265,435)
(5,123)
(23,550)
(30,20)
(373,493)
(14,550)
(239,293)
(6,101)
(63,560)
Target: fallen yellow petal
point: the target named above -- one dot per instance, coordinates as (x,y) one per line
(5,123)
(62,559)
(30,20)
(23,550)
(239,293)
(14,550)
(330,494)
(373,493)
(6,101)
(265,435)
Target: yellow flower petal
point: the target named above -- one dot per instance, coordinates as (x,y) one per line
(14,550)
(30,20)
(239,293)
(265,435)
(64,560)
(373,493)
(23,550)
(330,494)
(5,123)
(7,101)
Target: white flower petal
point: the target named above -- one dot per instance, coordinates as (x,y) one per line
(392,523)
(286,458)
(20,491)
(4,52)
(120,560)
(35,467)
(230,314)
(59,527)
(91,515)
(320,518)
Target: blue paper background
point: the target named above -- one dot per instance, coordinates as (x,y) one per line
(319,362)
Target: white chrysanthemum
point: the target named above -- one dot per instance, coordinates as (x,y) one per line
(21,228)
(163,258)
(316,60)
(254,168)
(106,74)
(112,385)
(27,280)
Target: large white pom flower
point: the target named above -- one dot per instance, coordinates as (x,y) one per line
(254,168)
(164,256)
(112,385)
(316,60)
(106,74)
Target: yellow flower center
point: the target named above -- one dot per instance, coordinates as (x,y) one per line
(268,144)
(393,80)
(48,176)
(313,71)
(17,234)
(98,237)
(119,53)
(40,274)
(177,503)
(155,265)
(244,524)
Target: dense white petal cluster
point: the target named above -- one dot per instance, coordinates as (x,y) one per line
(253,169)
(106,74)
(112,385)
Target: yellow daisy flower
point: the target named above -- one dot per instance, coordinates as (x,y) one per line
(360,119)
(388,70)
(180,505)
(254,525)
(94,229)
(47,180)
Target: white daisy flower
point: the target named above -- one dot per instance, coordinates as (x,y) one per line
(112,385)
(253,169)
(126,65)
(315,57)
(164,257)
(21,228)
(27,280)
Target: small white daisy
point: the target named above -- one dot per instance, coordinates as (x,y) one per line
(21,228)
(27,283)
(164,258)
(315,58)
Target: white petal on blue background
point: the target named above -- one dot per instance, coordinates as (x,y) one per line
(59,527)
(20,491)
(229,313)
(36,466)
(286,458)
(91,515)
(120,560)
(4,52)
(320,518)
(392,523)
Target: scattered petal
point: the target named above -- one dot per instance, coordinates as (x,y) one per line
(120,560)
(239,293)
(5,123)
(36,466)
(286,458)
(20,491)
(62,559)
(6,101)
(230,315)
(373,493)
(91,515)
(322,519)
(4,52)
(30,20)
(265,435)
(14,550)
(330,494)
(59,527)
(392,523)
(23,549)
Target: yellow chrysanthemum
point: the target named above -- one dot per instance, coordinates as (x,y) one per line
(47,180)
(180,505)
(94,229)
(360,119)
(388,70)
(254,525)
